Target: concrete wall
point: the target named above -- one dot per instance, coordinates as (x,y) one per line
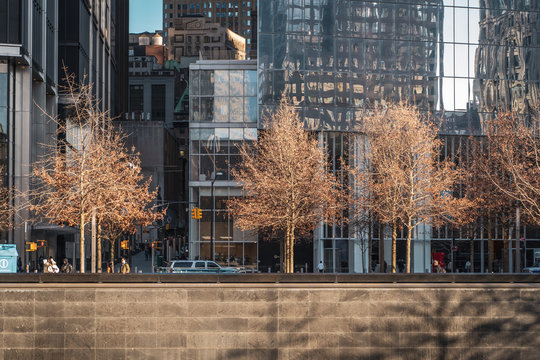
(269,321)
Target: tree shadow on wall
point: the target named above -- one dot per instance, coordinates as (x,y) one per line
(453,323)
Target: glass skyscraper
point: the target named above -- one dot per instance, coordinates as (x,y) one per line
(460,60)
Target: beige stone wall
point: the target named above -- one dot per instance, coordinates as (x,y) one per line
(232,321)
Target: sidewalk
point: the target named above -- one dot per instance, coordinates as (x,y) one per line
(138,263)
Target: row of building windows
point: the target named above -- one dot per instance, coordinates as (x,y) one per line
(209,6)
(209,14)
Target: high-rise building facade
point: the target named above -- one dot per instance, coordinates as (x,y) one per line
(119,45)
(199,38)
(237,16)
(460,60)
(38,37)
(223,115)
(84,44)
(28,85)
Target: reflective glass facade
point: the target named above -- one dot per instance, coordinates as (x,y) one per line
(458,58)
(223,115)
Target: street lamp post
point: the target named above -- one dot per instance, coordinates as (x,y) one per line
(219,173)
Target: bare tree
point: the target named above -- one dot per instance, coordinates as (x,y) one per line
(515,147)
(409,182)
(6,209)
(512,165)
(286,184)
(89,175)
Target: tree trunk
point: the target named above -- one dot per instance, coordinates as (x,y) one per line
(99,260)
(81,227)
(490,245)
(370,241)
(281,255)
(290,249)
(394,246)
(381,247)
(286,250)
(471,250)
(408,250)
(112,250)
(505,248)
(93,244)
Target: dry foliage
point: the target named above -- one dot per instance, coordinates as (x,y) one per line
(509,167)
(515,148)
(489,204)
(6,210)
(89,172)
(285,183)
(405,179)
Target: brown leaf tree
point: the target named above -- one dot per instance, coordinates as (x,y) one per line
(287,187)
(512,165)
(410,183)
(88,174)
(6,209)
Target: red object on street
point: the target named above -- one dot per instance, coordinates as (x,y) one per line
(439,256)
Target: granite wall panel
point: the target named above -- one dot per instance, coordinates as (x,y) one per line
(270,321)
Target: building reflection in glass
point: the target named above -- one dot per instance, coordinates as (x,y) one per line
(508,58)
(335,57)
(457,58)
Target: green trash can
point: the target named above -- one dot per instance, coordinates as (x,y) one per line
(8,258)
(160,261)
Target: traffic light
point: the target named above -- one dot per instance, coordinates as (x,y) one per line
(167,226)
(32,246)
(41,243)
(196,213)
(155,245)
(124,244)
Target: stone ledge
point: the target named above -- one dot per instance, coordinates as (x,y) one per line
(271,278)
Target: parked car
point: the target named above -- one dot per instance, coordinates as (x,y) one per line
(198,266)
(535,269)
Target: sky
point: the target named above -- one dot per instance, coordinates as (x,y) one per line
(145,15)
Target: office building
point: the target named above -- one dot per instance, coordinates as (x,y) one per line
(37,38)
(119,45)
(237,16)
(199,38)
(458,60)
(28,84)
(223,114)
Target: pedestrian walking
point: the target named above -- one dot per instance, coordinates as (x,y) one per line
(53,268)
(146,252)
(124,268)
(66,267)
(437,267)
(468,266)
(320,267)
(46,265)
(110,267)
